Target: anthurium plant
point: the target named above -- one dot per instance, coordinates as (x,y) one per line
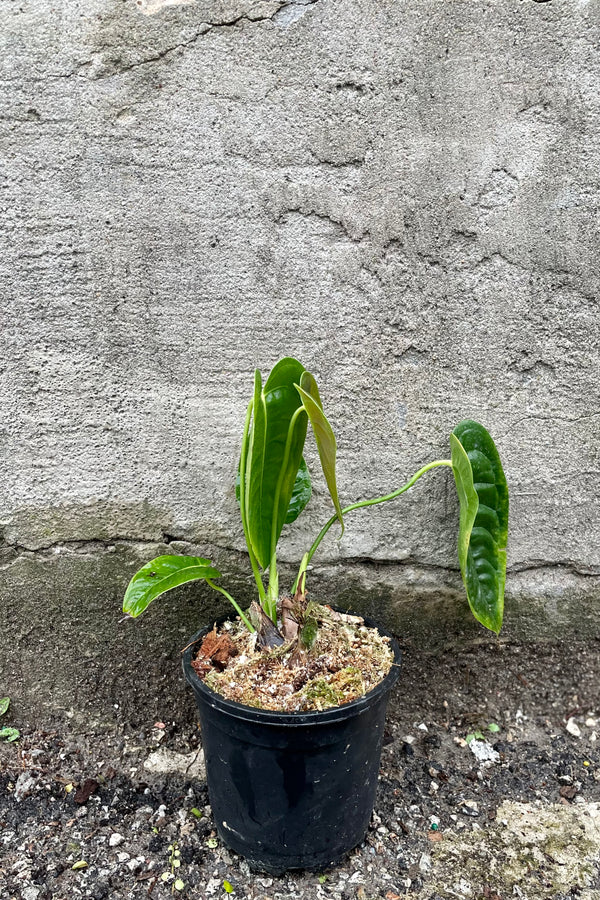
(274,486)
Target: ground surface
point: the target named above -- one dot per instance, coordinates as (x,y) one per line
(526,824)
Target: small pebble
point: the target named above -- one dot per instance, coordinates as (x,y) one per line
(573,728)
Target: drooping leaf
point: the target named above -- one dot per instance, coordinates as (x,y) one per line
(4,704)
(483,527)
(162,574)
(301,493)
(275,450)
(324,436)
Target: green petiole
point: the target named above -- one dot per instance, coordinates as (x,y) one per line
(360,505)
(244,517)
(235,605)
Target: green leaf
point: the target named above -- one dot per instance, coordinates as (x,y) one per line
(275,450)
(9,734)
(493,728)
(179,884)
(196,812)
(227,887)
(301,493)
(324,436)
(4,704)
(161,575)
(79,865)
(483,527)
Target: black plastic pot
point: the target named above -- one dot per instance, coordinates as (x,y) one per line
(291,790)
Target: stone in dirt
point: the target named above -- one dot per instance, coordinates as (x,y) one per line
(484,752)
(167,762)
(26,784)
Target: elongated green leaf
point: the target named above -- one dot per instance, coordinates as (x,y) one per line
(256,446)
(9,734)
(162,574)
(276,443)
(301,493)
(324,436)
(4,704)
(483,528)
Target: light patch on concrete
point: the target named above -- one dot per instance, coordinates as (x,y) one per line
(167,762)
(151,7)
(531,851)
(291,12)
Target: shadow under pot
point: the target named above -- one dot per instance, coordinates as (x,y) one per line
(291,790)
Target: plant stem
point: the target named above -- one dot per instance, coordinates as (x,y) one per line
(221,590)
(243,459)
(373,502)
(273,592)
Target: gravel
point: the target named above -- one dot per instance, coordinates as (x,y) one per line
(126,813)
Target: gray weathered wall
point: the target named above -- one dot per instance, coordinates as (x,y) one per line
(403,194)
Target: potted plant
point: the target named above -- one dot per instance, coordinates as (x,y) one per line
(292,780)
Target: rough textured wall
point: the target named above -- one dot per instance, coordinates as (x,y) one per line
(402,194)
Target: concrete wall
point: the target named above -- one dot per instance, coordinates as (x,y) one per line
(403,194)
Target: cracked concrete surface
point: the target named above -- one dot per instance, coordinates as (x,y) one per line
(403,195)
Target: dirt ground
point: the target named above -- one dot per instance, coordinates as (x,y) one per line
(512,813)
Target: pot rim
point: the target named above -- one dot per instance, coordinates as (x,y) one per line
(298,718)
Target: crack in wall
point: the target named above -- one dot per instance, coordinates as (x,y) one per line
(204,29)
(86,546)
(339,223)
(119,67)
